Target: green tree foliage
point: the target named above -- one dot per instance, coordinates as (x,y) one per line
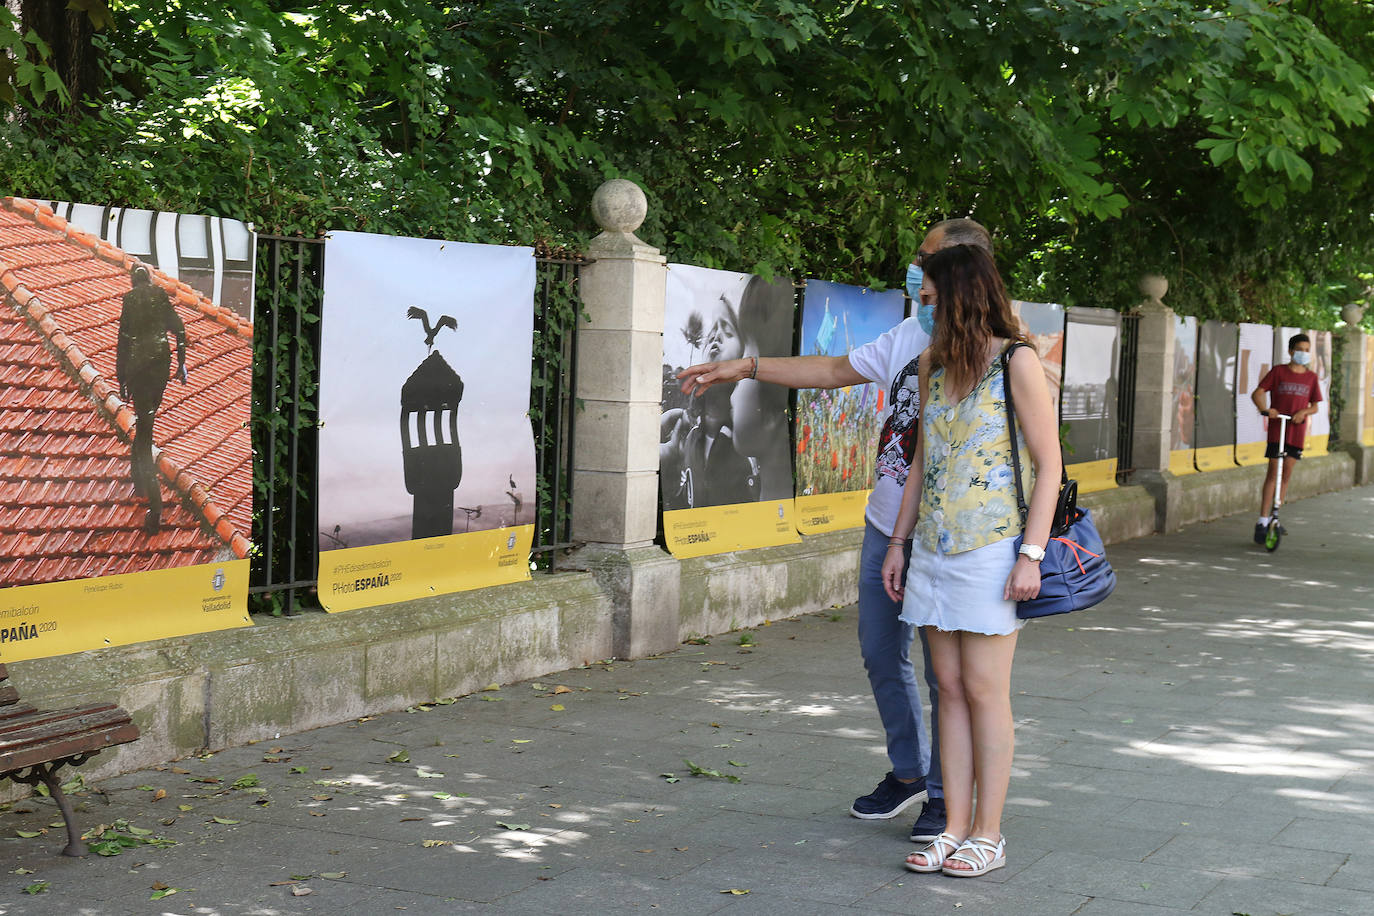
(1246,165)
(1221,144)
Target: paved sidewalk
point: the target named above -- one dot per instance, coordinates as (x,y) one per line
(1202,744)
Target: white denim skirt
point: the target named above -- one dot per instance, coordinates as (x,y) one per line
(962,591)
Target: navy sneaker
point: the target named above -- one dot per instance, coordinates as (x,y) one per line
(1259,533)
(890,799)
(931,823)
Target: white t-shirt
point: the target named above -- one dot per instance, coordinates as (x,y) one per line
(891,360)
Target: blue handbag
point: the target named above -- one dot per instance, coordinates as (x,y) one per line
(1075,573)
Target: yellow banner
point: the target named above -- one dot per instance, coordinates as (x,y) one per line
(1181,462)
(719,529)
(1093,475)
(1368,437)
(56,618)
(1315,446)
(1248,453)
(831,511)
(354,577)
(1216,458)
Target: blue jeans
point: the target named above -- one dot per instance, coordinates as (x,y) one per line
(885,643)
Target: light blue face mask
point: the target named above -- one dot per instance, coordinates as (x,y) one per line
(925,314)
(914,278)
(1302,357)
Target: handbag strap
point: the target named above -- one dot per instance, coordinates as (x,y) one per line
(1021,506)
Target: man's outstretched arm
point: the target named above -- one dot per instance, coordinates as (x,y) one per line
(791,371)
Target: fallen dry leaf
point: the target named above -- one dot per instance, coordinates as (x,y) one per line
(300,890)
(159,795)
(557,707)
(430,844)
(735,891)
(561,689)
(181,772)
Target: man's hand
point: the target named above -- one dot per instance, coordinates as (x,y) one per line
(696,379)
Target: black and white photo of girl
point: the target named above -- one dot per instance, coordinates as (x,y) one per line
(730,444)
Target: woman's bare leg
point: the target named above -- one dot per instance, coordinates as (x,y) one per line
(985,666)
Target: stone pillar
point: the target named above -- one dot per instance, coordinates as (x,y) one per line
(619,377)
(615,446)
(1354,366)
(1154,378)
(1152,432)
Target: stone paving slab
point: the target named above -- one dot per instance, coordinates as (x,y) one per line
(1199,744)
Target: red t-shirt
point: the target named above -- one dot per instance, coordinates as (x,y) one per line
(1290,392)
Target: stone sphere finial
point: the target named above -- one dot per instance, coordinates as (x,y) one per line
(1154,287)
(1352,313)
(619,206)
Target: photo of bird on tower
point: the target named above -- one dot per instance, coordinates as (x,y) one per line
(424,392)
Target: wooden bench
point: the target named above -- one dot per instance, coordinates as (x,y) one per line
(35,744)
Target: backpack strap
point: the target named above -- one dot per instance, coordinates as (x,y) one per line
(1021,506)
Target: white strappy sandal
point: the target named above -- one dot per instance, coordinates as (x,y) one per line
(941,848)
(980,854)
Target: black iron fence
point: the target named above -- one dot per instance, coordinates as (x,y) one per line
(286,536)
(289,294)
(286,337)
(1125,400)
(553,406)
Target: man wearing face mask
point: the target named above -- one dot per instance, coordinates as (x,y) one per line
(1294,391)
(884,641)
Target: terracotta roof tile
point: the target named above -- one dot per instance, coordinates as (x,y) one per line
(67,505)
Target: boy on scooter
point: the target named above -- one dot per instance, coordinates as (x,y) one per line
(1293,390)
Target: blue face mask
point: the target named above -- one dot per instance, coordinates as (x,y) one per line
(914,278)
(925,314)
(1302,357)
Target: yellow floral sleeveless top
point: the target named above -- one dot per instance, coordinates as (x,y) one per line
(968,496)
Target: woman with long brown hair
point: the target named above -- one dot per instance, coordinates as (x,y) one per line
(965,576)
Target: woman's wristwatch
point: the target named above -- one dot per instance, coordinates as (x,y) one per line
(1031,552)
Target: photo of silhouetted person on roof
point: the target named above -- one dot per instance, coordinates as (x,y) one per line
(142,364)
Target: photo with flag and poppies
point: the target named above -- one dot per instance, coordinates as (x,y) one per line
(837,430)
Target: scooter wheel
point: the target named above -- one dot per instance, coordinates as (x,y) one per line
(1272,535)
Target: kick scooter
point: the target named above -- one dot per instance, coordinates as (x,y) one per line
(1274,533)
